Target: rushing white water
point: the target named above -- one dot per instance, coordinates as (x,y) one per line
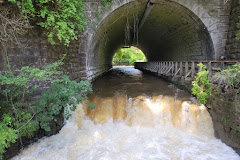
(159,127)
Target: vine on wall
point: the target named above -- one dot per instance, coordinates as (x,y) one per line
(62,19)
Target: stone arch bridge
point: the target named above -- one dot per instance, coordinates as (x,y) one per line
(165,30)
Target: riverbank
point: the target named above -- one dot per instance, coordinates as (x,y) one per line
(223,106)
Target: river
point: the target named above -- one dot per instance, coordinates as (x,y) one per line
(137,117)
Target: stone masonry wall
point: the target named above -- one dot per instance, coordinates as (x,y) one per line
(36,51)
(233,45)
(223,106)
(84,62)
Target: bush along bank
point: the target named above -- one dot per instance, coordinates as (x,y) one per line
(221,95)
(224,106)
(23,120)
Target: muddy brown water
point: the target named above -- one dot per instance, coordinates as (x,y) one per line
(137,117)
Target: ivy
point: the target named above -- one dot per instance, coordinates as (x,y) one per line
(202,85)
(106,3)
(62,19)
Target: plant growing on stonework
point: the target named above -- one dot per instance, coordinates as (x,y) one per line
(106,3)
(238,128)
(238,33)
(62,20)
(224,120)
(20,116)
(230,77)
(202,85)
(63,96)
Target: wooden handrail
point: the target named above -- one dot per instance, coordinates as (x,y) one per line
(186,69)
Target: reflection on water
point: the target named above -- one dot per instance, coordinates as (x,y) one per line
(137,117)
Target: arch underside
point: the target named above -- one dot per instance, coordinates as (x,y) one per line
(170,32)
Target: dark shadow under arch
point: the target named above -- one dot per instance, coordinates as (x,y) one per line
(171,32)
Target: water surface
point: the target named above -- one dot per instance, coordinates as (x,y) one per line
(137,117)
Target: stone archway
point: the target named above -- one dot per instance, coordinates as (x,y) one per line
(173,30)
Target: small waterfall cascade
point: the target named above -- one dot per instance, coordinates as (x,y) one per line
(128,123)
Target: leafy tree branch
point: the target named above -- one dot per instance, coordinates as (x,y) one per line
(62,19)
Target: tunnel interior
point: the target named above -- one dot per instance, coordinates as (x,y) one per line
(164,31)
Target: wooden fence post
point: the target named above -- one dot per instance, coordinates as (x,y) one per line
(186,68)
(193,69)
(176,67)
(222,65)
(200,67)
(209,68)
(181,68)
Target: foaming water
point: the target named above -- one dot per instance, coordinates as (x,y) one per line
(132,123)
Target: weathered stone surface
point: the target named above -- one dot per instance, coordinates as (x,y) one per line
(232,50)
(223,104)
(173,30)
(226,106)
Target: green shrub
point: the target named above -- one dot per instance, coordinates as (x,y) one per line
(230,77)
(202,85)
(22,117)
(8,134)
(62,20)
(62,93)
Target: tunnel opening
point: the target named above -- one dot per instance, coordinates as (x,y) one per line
(168,32)
(127,55)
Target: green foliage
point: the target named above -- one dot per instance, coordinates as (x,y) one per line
(21,83)
(106,3)
(22,117)
(238,26)
(17,86)
(8,134)
(202,85)
(224,120)
(229,77)
(238,33)
(58,97)
(129,55)
(99,11)
(238,128)
(62,19)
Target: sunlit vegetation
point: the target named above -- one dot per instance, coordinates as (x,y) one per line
(202,85)
(128,56)
(229,77)
(21,116)
(61,20)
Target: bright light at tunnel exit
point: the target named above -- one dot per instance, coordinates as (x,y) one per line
(127,56)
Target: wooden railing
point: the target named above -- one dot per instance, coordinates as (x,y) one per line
(186,69)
